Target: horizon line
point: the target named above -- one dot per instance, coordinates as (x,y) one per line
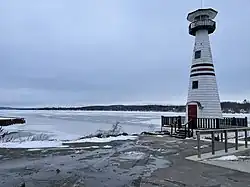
(109,104)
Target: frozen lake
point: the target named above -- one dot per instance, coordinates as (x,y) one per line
(54,127)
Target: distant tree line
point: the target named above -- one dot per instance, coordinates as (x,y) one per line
(229,107)
(235,107)
(156,108)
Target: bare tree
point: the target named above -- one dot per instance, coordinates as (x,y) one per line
(4,135)
(151,127)
(116,128)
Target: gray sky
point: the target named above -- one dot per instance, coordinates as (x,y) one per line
(79,52)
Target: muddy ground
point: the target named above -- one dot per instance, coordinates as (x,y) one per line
(149,161)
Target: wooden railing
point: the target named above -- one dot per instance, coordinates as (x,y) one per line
(176,122)
(186,127)
(210,123)
(221,131)
(167,121)
(206,123)
(233,122)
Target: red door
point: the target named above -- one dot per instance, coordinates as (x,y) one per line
(192,115)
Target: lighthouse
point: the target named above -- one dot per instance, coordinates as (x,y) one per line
(203,97)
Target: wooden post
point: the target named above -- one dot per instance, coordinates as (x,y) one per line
(212,142)
(221,134)
(217,123)
(236,140)
(198,144)
(161,122)
(185,131)
(233,123)
(226,149)
(179,122)
(245,138)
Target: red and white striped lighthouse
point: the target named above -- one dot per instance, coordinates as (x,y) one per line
(203,98)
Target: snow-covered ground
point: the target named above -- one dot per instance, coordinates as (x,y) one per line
(52,128)
(103,140)
(231,158)
(32,144)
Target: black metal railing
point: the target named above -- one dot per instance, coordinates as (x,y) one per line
(205,22)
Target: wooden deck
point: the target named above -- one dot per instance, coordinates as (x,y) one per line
(181,130)
(6,121)
(205,123)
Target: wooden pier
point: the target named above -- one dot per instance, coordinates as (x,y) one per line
(6,121)
(212,132)
(181,130)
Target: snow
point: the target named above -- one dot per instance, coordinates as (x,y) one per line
(103,140)
(133,155)
(78,151)
(230,135)
(244,157)
(107,147)
(94,147)
(202,147)
(34,149)
(231,158)
(5,118)
(91,147)
(52,144)
(32,144)
(233,141)
(160,136)
(228,158)
(240,142)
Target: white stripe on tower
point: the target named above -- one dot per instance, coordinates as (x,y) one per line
(203,90)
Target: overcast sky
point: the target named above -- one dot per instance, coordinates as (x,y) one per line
(83,52)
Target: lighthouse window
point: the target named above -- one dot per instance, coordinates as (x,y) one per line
(204,17)
(195,85)
(197,54)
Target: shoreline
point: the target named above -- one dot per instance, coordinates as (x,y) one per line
(117,111)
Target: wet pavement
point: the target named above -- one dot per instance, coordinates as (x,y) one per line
(148,161)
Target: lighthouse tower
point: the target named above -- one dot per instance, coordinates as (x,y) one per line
(203,98)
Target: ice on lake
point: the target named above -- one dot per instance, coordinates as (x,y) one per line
(60,126)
